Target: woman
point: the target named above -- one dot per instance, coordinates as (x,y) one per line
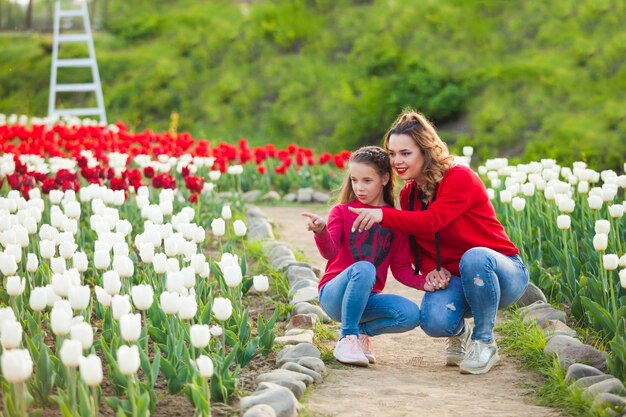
(453,225)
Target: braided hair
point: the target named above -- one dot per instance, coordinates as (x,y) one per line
(377,158)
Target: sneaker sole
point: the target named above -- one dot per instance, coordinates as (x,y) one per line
(479,371)
(453,360)
(371,358)
(355,363)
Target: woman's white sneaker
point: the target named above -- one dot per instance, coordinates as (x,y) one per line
(456,347)
(349,351)
(480,358)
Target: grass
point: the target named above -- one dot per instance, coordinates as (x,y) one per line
(526,342)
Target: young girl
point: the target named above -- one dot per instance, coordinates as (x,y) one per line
(358,262)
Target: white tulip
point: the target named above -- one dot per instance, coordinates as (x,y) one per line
(128,359)
(218,227)
(468,151)
(234,170)
(47,248)
(610,261)
(58,265)
(200,335)
(216,331)
(11,332)
(120,249)
(197,262)
(146,252)
(38,299)
(174,282)
(622,261)
(232,275)
(159,263)
(563,222)
(61,284)
(101,259)
(111,282)
(205,366)
(505,196)
(6,315)
(32,262)
(55,196)
(170,302)
(188,307)
(240,228)
(528,189)
(491,194)
(616,211)
(60,321)
(261,283)
(600,242)
(79,261)
(583,187)
(143,296)
(103,297)
(51,295)
(566,205)
(71,352)
(17,365)
(79,297)
(90,368)
(15,285)
(72,209)
(222,308)
(124,266)
(518,203)
(120,305)
(130,327)
(227,213)
(189,277)
(622,278)
(603,226)
(595,202)
(124,227)
(214,175)
(8,266)
(82,332)
(173,265)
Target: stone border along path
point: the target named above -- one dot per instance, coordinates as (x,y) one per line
(410,377)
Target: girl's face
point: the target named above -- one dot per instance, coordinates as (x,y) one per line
(367,183)
(407,158)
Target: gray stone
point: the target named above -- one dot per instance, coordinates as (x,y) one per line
(292,366)
(554,327)
(271,196)
(543,315)
(586,354)
(293,332)
(285,374)
(260,231)
(606,400)
(308,308)
(260,410)
(281,399)
(320,197)
(580,370)
(302,321)
(251,196)
(302,284)
(305,294)
(284,380)
(255,212)
(298,273)
(293,353)
(531,295)
(278,263)
(314,364)
(281,251)
(304,195)
(611,386)
(537,305)
(558,343)
(294,339)
(291,197)
(588,381)
(298,263)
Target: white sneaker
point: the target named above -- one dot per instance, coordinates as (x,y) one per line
(348,350)
(480,358)
(367,347)
(455,347)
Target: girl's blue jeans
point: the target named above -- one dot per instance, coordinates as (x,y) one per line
(489,281)
(348,298)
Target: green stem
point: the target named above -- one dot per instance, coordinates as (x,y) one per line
(131,395)
(71,386)
(94,401)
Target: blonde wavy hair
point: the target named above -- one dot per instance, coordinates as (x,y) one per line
(437,159)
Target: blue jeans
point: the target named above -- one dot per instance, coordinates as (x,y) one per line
(489,281)
(348,298)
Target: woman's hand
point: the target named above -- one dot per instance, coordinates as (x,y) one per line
(315,223)
(366,218)
(437,280)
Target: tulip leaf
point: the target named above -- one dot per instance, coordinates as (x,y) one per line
(155,367)
(246,284)
(157,335)
(205,316)
(600,316)
(145,364)
(168,369)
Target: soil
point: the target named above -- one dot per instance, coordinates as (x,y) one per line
(410,377)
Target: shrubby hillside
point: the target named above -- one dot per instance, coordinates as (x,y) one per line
(520,78)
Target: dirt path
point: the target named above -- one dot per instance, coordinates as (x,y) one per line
(410,377)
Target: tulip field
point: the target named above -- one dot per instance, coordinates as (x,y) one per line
(124,264)
(124,261)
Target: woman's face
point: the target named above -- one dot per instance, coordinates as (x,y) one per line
(407,158)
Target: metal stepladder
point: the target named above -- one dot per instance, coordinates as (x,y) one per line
(89,62)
